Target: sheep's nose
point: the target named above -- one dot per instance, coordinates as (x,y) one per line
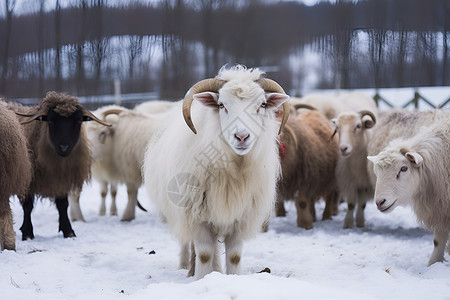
(63,147)
(241,137)
(380,203)
(343,148)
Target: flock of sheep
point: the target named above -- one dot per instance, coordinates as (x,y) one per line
(251,148)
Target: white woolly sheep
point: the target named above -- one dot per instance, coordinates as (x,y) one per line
(416,171)
(220,182)
(395,123)
(354,131)
(118,152)
(154,106)
(102,165)
(59,154)
(15,175)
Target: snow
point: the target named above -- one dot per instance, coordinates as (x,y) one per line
(111,260)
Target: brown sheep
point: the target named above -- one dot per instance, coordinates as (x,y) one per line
(15,172)
(60,154)
(308,168)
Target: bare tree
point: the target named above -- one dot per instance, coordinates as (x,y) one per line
(58,46)
(134,51)
(9,7)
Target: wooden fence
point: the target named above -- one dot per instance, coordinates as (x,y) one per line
(415,101)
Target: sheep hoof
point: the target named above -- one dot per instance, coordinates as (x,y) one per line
(304,225)
(326,217)
(347,226)
(27,233)
(69,234)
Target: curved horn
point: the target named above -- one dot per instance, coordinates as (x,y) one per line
(271,86)
(289,130)
(88,116)
(39,115)
(24,115)
(301,105)
(370,114)
(112,111)
(206,85)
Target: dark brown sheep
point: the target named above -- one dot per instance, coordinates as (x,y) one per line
(308,166)
(60,155)
(15,172)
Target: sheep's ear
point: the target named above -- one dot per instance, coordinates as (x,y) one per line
(415,158)
(209,99)
(274,100)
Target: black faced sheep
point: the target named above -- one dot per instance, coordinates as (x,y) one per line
(60,155)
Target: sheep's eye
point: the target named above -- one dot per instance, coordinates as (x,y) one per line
(263,105)
(220,104)
(358,126)
(402,169)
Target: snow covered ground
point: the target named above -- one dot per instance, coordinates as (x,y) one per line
(111,260)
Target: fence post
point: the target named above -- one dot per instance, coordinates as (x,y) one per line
(117,93)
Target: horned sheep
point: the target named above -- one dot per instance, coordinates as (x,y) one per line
(416,171)
(221,180)
(354,131)
(15,176)
(59,154)
(308,161)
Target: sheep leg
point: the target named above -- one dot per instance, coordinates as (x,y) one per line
(191,272)
(7,234)
(64,224)
(184,256)
(279,207)
(330,205)
(448,245)
(129,213)
(103,194)
(440,240)
(362,200)
(335,203)
(304,217)
(312,208)
(27,226)
(349,218)
(233,252)
(113,191)
(74,207)
(265,225)
(204,244)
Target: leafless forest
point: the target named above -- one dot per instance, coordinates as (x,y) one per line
(82,46)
